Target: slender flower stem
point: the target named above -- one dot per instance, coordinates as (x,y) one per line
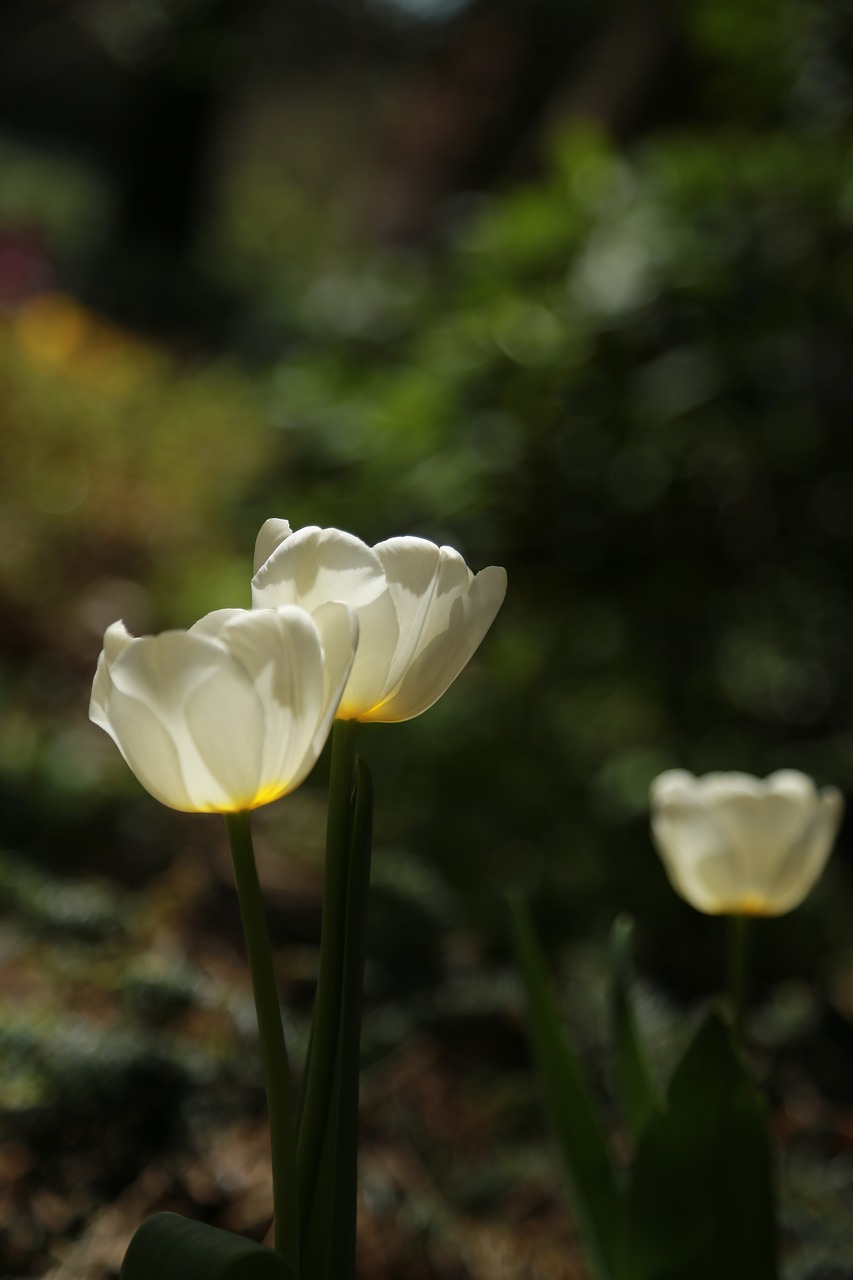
(342,1245)
(738,943)
(273,1048)
(324,1036)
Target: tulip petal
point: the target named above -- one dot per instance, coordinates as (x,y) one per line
(338,627)
(761,828)
(281,659)
(799,870)
(149,751)
(213,624)
(695,854)
(272,534)
(314,566)
(423,582)
(452,642)
(224,716)
(370,679)
(175,674)
(116,639)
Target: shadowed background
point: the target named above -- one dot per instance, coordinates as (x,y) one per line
(568,286)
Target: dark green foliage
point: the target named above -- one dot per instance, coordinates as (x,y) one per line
(174,1248)
(572,1112)
(636,1087)
(626,382)
(700,1201)
(697,1200)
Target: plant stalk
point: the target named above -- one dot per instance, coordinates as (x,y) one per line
(327,1008)
(273,1049)
(738,965)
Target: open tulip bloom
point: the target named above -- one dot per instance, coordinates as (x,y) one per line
(736,845)
(421,611)
(233,714)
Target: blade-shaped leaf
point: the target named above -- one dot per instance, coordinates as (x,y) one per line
(638,1093)
(316,1238)
(593,1186)
(700,1203)
(170,1247)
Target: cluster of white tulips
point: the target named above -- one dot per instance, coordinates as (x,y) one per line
(233,714)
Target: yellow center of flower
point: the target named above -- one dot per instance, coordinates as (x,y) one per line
(266,795)
(751,905)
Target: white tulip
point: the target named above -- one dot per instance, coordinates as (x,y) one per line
(231,714)
(736,845)
(422,613)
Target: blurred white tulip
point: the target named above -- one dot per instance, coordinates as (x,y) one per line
(422,612)
(231,714)
(734,844)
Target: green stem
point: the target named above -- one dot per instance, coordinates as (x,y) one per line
(273,1048)
(342,1244)
(324,1038)
(738,970)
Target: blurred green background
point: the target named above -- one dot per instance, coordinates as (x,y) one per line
(566,285)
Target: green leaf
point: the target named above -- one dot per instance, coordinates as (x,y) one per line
(593,1186)
(316,1238)
(700,1203)
(170,1247)
(638,1093)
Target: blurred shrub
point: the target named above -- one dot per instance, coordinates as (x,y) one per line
(121,466)
(630,383)
(114,454)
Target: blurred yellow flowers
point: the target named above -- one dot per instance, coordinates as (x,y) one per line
(231,714)
(422,612)
(734,844)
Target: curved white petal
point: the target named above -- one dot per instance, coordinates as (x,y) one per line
(116,639)
(149,751)
(212,624)
(370,679)
(314,566)
(225,719)
(761,829)
(695,852)
(181,678)
(338,627)
(271,535)
(800,869)
(423,581)
(452,637)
